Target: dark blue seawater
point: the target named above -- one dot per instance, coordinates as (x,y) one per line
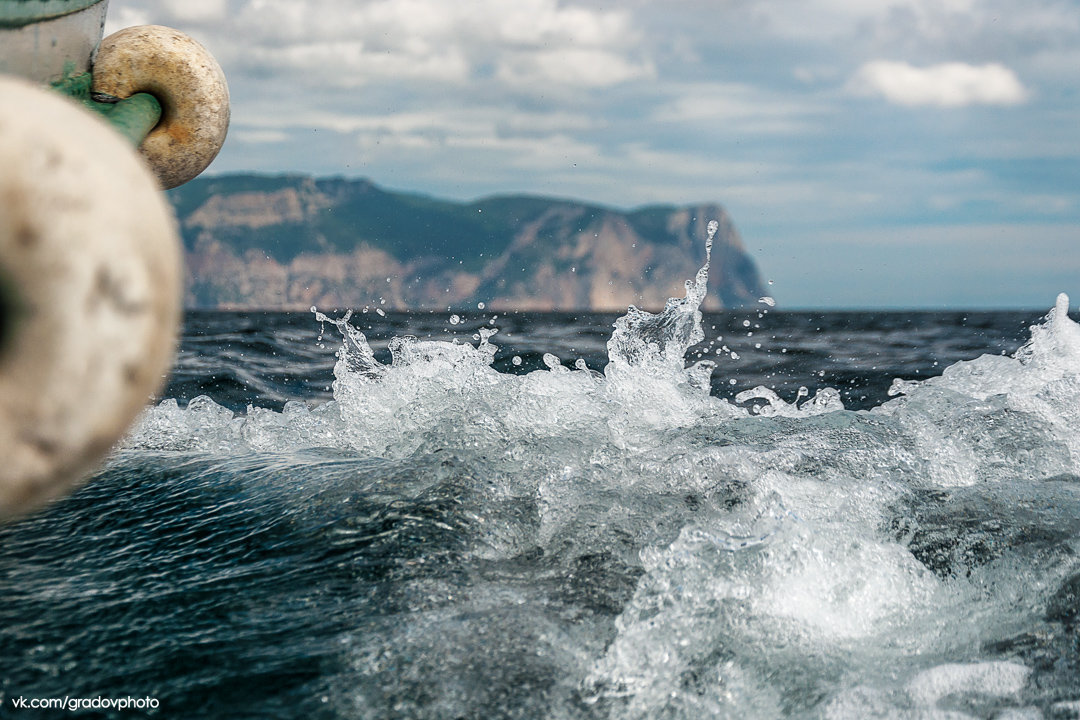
(437,538)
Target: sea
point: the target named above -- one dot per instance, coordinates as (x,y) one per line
(494,514)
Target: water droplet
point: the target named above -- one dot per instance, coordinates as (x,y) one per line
(480,306)
(771,302)
(454,319)
(380,311)
(516,359)
(746,323)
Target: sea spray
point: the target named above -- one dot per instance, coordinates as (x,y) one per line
(659,342)
(396,407)
(574,544)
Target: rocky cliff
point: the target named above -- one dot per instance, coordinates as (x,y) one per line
(290,242)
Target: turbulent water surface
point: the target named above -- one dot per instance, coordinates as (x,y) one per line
(570,520)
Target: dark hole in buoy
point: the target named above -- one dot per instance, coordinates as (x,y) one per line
(8,313)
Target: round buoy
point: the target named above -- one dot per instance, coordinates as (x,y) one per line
(90,280)
(185,79)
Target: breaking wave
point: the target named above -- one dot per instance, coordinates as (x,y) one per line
(617,542)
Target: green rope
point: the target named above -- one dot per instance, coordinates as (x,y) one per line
(132,117)
(10,312)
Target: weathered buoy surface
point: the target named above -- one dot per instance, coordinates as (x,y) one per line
(90,273)
(187,81)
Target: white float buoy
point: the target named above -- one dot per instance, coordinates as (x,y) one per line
(90,271)
(187,81)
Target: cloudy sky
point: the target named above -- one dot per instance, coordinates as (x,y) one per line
(901,153)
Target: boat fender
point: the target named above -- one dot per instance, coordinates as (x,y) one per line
(90,288)
(187,81)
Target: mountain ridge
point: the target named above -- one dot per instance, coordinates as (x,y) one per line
(292,241)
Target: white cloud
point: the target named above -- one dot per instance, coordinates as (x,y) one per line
(258,137)
(122,17)
(477,121)
(826,19)
(529,43)
(538,23)
(197,11)
(575,67)
(946,85)
(348,63)
(736,107)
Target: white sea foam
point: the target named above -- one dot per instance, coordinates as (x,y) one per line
(823,571)
(995,679)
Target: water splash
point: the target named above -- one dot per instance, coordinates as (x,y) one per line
(825,400)
(355,353)
(648,550)
(659,342)
(1055,343)
(645,388)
